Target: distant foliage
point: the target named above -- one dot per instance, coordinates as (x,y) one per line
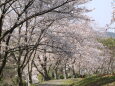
(109,42)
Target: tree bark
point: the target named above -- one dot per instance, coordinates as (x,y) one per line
(20,80)
(73,70)
(55,74)
(65,72)
(46,75)
(3,64)
(30,73)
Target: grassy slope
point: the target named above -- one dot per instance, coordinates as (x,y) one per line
(97,81)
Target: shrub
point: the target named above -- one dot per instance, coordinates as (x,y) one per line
(40,78)
(61,77)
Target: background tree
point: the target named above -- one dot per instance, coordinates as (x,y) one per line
(109,43)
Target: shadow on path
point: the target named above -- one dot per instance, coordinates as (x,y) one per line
(48,85)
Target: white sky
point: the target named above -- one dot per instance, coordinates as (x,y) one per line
(102,13)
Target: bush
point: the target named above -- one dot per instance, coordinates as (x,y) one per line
(33,85)
(40,78)
(15,81)
(61,77)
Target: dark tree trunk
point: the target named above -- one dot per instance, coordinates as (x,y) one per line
(44,66)
(30,73)
(30,78)
(46,75)
(3,64)
(20,80)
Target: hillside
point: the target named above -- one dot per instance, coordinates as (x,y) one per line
(111,34)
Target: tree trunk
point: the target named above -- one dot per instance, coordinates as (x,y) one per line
(65,72)
(30,77)
(73,70)
(20,80)
(3,64)
(30,73)
(55,74)
(46,76)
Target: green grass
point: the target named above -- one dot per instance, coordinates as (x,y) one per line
(96,81)
(110,84)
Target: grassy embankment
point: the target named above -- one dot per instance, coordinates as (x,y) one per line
(97,81)
(91,81)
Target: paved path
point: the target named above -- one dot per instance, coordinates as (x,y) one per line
(58,82)
(48,85)
(52,83)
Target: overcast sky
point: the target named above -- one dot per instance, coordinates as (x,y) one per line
(102,13)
